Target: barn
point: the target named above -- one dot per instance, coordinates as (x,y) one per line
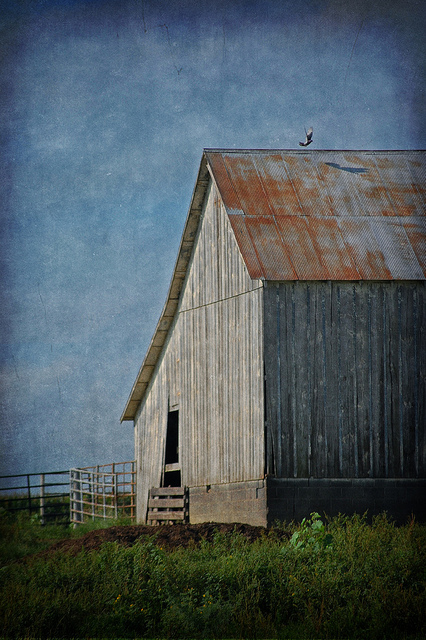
(287,371)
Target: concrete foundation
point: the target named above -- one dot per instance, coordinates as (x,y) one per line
(262,502)
(234,502)
(294,498)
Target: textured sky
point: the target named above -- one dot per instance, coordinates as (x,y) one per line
(105,108)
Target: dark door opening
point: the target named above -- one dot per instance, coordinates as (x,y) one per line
(172,438)
(172,477)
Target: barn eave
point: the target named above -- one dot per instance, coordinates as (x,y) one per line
(168,313)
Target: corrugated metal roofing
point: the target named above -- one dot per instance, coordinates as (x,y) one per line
(326,215)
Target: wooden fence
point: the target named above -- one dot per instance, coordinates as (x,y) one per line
(105,491)
(38,493)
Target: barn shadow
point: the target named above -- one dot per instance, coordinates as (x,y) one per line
(348,169)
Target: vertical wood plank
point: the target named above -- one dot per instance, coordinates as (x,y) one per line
(420,397)
(333,384)
(363,314)
(272,376)
(361,361)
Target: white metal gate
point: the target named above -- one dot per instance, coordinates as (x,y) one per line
(105,491)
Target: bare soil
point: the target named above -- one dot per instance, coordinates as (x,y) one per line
(166,536)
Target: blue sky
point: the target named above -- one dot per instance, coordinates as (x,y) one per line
(105,110)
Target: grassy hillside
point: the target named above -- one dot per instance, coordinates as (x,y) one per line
(348,579)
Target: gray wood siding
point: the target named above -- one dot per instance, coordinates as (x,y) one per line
(222,406)
(211,369)
(345,379)
(217,270)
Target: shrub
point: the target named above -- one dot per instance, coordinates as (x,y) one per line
(341,579)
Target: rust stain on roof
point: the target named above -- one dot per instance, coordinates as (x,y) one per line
(305,254)
(415,228)
(270,249)
(321,215)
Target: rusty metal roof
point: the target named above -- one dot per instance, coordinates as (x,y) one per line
(307,215)
(326,215)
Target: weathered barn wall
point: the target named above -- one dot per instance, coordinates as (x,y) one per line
(221,348)
(151,424)
(222,408)
(345,379)
(211,370)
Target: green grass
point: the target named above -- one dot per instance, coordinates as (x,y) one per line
(22,535)
(346,580)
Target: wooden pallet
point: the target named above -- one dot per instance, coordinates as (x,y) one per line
(167,505)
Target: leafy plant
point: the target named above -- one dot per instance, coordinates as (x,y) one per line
(312,535)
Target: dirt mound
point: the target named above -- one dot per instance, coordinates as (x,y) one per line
(166,536)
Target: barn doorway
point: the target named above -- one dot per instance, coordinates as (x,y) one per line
(171,475)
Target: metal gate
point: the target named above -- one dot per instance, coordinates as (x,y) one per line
(106,491)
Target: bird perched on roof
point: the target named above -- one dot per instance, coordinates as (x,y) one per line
(308,140)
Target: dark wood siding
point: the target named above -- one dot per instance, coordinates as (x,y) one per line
(345,379)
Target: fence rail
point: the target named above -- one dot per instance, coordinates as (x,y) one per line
(105,491)
(23,495)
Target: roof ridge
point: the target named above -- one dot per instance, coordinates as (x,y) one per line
(310,151)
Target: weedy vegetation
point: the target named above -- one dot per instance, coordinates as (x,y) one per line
(343,578)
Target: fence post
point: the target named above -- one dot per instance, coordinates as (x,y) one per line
(133,490)
(29,493)
(76,505)
(115,490)
(42,498)
(72,510)
(97,489)
(103,495)
(92,492)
